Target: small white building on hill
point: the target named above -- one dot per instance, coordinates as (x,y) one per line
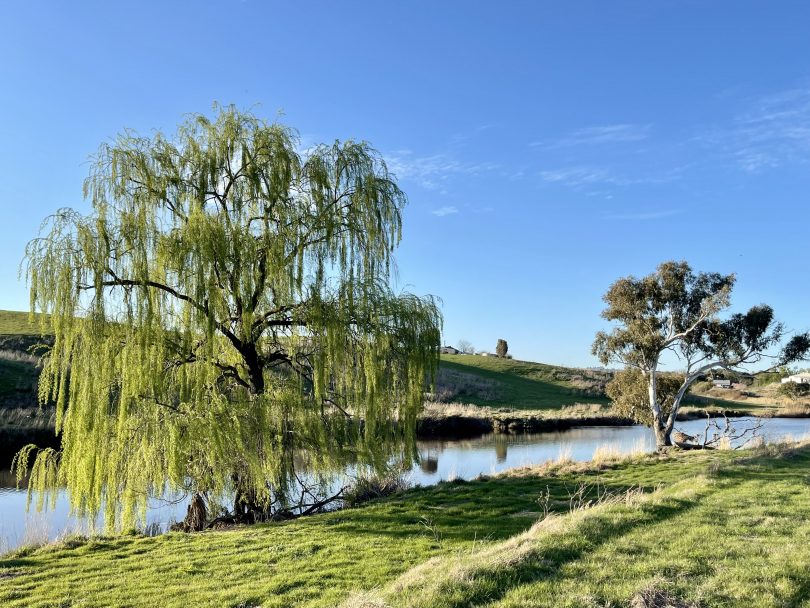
(803,378)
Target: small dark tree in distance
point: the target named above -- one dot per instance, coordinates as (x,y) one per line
(502,348)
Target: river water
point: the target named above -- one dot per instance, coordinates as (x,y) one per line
(439,460)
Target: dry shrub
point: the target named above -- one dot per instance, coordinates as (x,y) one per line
(434,409)
(564,456)
(451,385)
(20,356)
(606,453)
(28,417)
(365,599)
(370,487)
(794,410)
(655,597)
(579,410)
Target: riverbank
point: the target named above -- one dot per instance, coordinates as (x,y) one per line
(21,426)
(563,534)
(455,421)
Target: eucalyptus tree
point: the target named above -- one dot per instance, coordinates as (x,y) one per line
(223,318)
(677,311)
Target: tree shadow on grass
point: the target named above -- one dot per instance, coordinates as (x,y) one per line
(495,508)
(546,564)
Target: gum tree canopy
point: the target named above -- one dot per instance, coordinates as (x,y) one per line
(223,319)
(676,311)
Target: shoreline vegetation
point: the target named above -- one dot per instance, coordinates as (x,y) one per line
(452,420)
(555,534)
(470,398)
(21,426)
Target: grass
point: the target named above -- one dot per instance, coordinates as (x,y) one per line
(712,527)
(16,323)
(18,377)
(754,399)
(483,381)
(520,384)
(499,383)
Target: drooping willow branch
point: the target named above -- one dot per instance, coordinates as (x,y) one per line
(224,309)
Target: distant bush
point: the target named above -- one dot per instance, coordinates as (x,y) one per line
(370,487)
(628,391)
(794,390)
(702,387)
(767,378)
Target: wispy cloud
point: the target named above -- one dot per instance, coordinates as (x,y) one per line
(600,134)
(772,131)
(433,170)
(442,211)
(577,176)
(584,176)
(641,216)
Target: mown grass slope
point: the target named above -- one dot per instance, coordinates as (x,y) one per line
(707,528)
(519,384)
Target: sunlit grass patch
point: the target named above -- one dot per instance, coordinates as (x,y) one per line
(707,527)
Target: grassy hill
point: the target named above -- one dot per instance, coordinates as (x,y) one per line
(18,368)
(497,382)
(714,528)
(477,380)
(16,323)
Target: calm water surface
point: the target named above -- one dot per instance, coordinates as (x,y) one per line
(440,460)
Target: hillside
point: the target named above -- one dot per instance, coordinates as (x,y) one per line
(17,323)
(470,379)
(718,528)
(18,368)
(497,382)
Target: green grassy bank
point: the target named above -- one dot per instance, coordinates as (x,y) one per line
(497,382)
(711,528)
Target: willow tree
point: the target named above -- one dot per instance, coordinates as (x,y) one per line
(223,319)
(677,312)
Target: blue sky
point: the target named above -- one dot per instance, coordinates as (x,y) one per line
(547,148)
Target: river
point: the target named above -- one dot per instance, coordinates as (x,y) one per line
(439,460)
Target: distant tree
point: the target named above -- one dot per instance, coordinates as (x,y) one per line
(501,348)
(223,318)
(466,347)
(674,310)
(794,390)
(770,377)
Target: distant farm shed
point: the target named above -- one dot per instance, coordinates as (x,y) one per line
(797,378)
(449,350)
(722,383)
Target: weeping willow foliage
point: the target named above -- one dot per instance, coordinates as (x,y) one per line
(223,311)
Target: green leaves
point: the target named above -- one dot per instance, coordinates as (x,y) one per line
(676,310)
(224,309)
